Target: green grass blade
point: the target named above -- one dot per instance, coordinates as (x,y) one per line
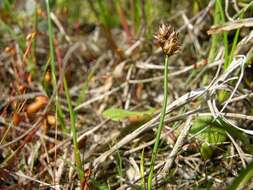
(119,166)
(59,113)
(142,170)
(235,40)
(243,178)
(215,37)
(73,130)
(225,35)
(51,45)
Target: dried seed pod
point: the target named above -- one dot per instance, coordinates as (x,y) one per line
(10,50)
(138,92)
(47,77)
(39,103)
(16,118)
(22,88)
(29,78)
(30,36)
(51,120)
(14,105)
(167,39)
(42,99)
(34,107)
(40,12)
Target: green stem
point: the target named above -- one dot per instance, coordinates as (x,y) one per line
(73,131)
(161,123)
(225,35)
(51,44)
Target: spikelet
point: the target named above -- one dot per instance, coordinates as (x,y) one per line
(167,39)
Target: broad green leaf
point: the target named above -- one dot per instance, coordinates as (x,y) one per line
(118,114)
(214,132)
(209,133)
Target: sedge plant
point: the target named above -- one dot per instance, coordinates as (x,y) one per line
(168,40)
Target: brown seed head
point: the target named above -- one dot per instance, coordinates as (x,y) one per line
(47,77)
(39,103)
(16,118)
(167,39)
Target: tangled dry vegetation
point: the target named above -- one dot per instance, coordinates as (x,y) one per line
(81,94)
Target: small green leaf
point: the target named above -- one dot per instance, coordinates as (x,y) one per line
(210,133)
(117,114)
(208,130)
(206,151)
(99,185)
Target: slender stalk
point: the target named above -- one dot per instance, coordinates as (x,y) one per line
(161,123)
(225,35)
(235,40)
(51,44)
(53,70)
(215,38)
(142,171)
(73,131)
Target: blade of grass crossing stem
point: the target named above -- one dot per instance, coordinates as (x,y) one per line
(142,170)
(225,35)
(51,45)
(235,40)
(73,130)
(60,117)
(119,166)
(161,124)
(215,37)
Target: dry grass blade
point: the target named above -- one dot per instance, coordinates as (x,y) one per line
(232,25)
